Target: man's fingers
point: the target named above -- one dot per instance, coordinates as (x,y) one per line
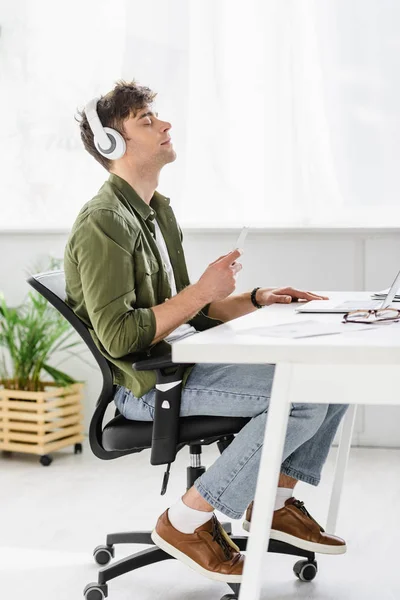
(219,258)
(296,295)
(231,256)
(307,295)
(236,267)
(311,296)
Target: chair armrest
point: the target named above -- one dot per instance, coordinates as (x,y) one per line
(165,436)
(154,362)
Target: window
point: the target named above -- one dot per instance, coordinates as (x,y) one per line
(283,113)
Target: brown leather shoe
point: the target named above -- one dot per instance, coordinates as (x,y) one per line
(294,525)
(209,550)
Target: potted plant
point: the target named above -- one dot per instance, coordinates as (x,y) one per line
(40,405)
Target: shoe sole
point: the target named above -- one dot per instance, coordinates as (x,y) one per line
(281,536)
(169,549)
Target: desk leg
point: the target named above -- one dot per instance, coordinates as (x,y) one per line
(340,468)
(267,482)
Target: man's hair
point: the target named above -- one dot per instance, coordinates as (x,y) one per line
(125,100)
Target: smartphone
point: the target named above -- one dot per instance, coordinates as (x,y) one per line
(241,238)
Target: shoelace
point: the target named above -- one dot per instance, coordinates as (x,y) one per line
(220,539)
(300,505)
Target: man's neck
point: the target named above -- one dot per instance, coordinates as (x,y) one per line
(143,183)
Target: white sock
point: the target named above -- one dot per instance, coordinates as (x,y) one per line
(282,494)
(186,519)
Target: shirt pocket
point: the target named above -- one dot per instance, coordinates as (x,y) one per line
(150,266)
(145,266)
(147,283)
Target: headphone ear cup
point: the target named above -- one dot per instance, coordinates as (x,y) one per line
(118,145)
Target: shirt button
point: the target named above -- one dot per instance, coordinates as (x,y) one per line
(179,251)
(165,299)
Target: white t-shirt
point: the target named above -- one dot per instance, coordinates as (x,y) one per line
(184,330)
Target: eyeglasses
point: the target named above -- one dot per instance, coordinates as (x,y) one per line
(378,315)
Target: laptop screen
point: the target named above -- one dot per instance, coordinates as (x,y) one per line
(392,292)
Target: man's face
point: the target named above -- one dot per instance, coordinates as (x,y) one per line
(147,139)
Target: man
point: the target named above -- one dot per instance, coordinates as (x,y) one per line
(126,278)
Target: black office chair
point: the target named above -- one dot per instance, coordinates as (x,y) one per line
(166,435)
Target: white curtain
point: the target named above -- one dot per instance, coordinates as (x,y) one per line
(284,112)
(294,113)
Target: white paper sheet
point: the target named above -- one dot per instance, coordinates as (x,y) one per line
(302,329)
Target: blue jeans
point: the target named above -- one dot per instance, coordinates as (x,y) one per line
(244,391)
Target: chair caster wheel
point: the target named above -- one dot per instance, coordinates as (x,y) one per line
(95,591)
(305,570)
(78,449)
(45,460)
(103,554)
(235,587)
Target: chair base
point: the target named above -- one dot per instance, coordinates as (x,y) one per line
(304,570)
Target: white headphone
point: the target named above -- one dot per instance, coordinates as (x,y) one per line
(109,142)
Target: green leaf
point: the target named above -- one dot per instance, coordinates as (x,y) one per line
(58,376)
(30,335)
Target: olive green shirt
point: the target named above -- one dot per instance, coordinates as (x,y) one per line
(114,275)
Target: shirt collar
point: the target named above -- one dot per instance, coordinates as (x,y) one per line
(146,211)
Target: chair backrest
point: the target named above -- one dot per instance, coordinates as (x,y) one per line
(51,285)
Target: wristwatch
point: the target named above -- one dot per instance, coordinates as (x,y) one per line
(253,298)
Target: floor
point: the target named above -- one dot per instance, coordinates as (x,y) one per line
(52,518)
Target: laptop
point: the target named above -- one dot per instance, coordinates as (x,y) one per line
(329,306)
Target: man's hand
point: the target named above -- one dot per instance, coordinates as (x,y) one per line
(267,296)
(218,280)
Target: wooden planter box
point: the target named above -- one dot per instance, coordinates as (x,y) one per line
(41,422)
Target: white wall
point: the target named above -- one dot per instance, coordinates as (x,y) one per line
(320,260)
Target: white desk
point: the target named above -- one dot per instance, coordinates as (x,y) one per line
(357,368)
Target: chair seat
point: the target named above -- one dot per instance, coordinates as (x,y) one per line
(125,435)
